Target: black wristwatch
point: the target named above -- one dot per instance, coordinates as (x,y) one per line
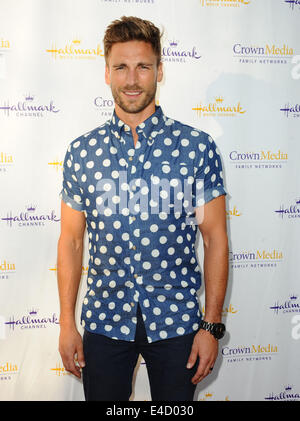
(216,329)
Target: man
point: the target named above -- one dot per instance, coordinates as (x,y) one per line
(124,181)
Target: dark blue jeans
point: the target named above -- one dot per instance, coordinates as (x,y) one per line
(110,363)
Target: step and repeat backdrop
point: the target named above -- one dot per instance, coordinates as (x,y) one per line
(232,69)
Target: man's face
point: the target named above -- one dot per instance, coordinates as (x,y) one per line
(132,73)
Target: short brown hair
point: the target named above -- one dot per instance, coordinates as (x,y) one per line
(130,28)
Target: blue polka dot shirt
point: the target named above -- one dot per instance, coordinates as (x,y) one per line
(139,203)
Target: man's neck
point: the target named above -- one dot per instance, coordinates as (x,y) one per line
(134,119)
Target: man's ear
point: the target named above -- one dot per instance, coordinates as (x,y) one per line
(160,72)
(107,75)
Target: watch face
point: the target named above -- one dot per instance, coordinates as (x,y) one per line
(219,330)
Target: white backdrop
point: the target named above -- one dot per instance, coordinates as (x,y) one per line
(232,69)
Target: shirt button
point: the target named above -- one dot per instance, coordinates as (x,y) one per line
(133,218)
(130,158)
(134,247)
(135,275)
(132,304)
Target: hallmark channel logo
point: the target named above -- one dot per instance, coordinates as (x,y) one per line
(174,53)
(31,320)
(224,3)
(75,50)
(105,106)
(30,217)
(262,159)
(248,353)
(288,394)
(28,107)
(289,211)
(292,4)
(291,305)
(268,54)
(255,259)
(291,110)
(219,108)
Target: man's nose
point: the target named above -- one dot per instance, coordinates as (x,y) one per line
(132,77)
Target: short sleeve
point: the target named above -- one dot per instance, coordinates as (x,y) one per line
(71,193)
(208,180)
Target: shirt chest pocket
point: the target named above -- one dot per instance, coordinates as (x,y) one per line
(172,186)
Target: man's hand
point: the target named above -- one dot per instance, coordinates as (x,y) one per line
(71,350)
(205,346)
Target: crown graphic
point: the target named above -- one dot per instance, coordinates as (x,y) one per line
(76,41)
(29,97)
(297,202)
(33,311)
(219,99)
(293,297)
(31,208)
(173,43)
(288,387)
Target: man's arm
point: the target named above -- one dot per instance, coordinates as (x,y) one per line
(214,233)
(69,268)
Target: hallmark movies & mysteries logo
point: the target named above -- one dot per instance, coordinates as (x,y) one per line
(75,50)
(224,3)
(219,108)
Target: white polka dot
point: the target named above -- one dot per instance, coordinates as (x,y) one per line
(163,334)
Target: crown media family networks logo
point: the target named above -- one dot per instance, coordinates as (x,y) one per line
(264,159)
(8,370)
(255,259)
(6,161)
(7,269)
(262,54)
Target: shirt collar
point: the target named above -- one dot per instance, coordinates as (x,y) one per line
(150,127)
